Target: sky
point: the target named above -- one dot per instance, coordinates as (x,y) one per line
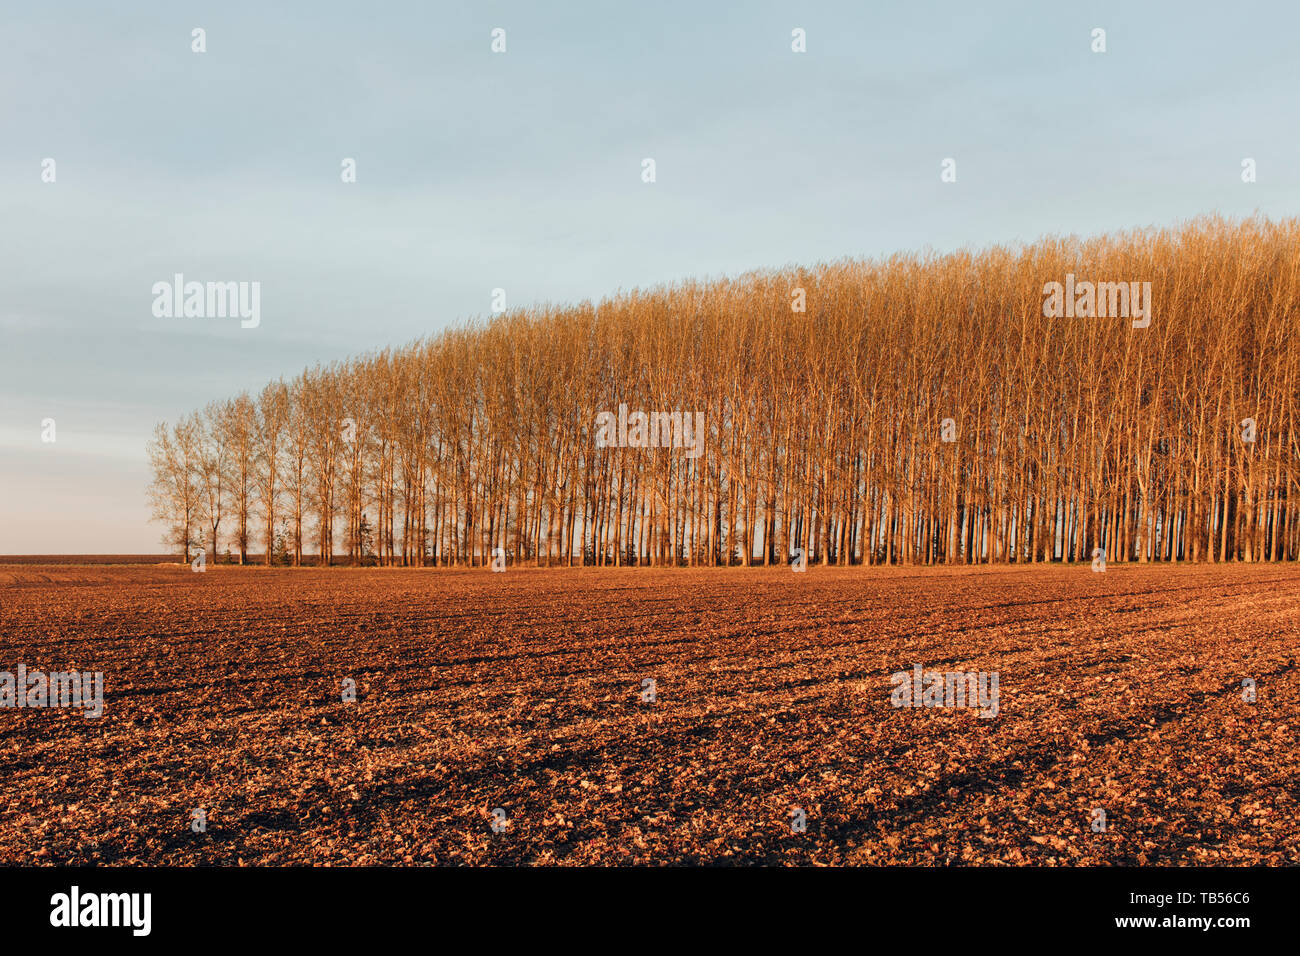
(522,171)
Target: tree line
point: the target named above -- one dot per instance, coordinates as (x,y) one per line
(919,409)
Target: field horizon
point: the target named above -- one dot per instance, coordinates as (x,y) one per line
(255,561)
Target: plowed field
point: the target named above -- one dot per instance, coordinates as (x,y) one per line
(525,691)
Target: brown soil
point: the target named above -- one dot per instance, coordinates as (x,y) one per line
(523,691)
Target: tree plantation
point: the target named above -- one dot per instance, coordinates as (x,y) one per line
(921,409)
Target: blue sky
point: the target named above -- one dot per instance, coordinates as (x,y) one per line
(522,171)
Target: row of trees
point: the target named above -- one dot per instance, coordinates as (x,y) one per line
(915,410)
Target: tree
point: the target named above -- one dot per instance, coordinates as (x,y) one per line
(212,473)
(270,420)
(236,420)
(176,490)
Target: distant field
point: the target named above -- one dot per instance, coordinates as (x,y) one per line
(522,691)
(87,559)
(309,560)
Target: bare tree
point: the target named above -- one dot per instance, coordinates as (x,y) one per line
(236,422)
(270,421)
(212,473)
(176,491)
